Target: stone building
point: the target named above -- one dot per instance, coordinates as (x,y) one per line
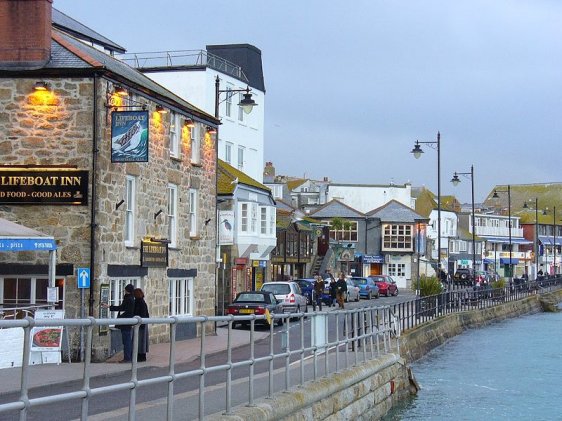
(118,170)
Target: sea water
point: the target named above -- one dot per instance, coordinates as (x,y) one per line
(509,370)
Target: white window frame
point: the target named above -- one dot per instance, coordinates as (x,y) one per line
(172,214)
(398,237)
(130,210)
(397,269)
(194,133)
(180,293)
(254,218)
(244,217)
(240,158)
(228,152)
(263,220)
(175,135)
(272,221)
(117,291)
(193,211)
(228,101)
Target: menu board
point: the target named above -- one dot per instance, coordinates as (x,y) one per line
(47,338)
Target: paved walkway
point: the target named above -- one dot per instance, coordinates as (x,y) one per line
(186,350)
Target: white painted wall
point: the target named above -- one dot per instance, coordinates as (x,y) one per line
(365,198)
(198,88)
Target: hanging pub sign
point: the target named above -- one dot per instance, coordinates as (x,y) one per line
(43,186)
(154,253)
(129,136)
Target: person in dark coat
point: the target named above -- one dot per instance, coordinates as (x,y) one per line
(341,290)
(333,291)
(319,286)
(141,310)
(126,310)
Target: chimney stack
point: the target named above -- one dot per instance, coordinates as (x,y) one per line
(25,34)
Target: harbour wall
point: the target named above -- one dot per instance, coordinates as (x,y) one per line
(369,391)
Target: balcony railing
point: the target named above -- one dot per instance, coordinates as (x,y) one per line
(499,232)
(183,58)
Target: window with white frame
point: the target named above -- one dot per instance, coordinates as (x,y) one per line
(263,220)
(397,237)
(397,269)
(240,157)
(193,204)
(347,233)
(228,152)
(228,101)
(130,206)
(463,246)
(244,217)
(181,296)
(240,109)
(272,217)
(194,134)
(254,218)
(175,135)
(25,291)
(172,214)
(117,291)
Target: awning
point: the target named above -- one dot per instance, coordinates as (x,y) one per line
(505,240)
(15,237)
(488,261)
(549,239)
(505,260)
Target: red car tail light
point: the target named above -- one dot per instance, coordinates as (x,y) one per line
(231,310)
(259,310)
(291,298)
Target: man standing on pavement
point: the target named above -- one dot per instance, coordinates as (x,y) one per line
(341,289)
(318,291)
(126,310)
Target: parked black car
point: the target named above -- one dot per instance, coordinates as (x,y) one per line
(464,276)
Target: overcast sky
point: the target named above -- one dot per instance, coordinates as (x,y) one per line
(351,85)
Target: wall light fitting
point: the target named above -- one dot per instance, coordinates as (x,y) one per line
(211,130)
(120,91)
(161,110)
(189,123)
(41,86)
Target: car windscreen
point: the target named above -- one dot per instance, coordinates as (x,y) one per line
(359,281)
(277,289)
(249,298)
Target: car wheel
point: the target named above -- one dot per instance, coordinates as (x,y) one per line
(233,325)
(395,292)
(378,295)
(369,296)
(358,297)
(280,321)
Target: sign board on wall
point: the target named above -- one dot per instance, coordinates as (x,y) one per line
(154,254)
(226,227)
(129,136)
(43,186)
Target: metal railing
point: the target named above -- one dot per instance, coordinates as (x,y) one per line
(424,309)
(337,340)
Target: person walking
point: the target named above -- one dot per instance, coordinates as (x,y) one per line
(126,310)
(341,290)
(318,292)
(141,310)
(333,292)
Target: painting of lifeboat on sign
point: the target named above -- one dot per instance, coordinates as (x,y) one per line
(129,136)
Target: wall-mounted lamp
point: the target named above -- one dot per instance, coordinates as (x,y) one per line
(161,110)
(157,213)
(41,86)
(211,130)
(120,91)
(119,204)
(189,123)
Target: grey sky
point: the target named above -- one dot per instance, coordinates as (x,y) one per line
(351,85)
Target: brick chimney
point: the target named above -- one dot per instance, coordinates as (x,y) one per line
(25,34)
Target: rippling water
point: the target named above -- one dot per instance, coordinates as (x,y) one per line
(510,370)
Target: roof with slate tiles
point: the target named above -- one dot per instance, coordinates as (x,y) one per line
(395,211)
(335,208)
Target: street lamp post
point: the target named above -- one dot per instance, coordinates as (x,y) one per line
(536,243)
(495,195)
(456,180)
(247,104)
(417,151)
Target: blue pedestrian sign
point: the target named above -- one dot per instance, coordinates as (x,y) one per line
(83,277)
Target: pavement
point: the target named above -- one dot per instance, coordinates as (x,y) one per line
(158,356)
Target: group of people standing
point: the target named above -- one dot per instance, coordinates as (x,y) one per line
(338,290)
(133,304)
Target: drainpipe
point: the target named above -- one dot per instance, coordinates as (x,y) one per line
(93,223)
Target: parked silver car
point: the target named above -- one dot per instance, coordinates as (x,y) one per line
(289,294)
(352,293)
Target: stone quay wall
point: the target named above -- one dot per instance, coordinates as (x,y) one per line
(369,391)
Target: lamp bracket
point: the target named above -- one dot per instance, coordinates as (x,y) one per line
(119,204)
(157,213)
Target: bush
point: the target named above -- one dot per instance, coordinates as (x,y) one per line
(429,285)
(500,283)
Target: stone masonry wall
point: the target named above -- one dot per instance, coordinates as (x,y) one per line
(59,131)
